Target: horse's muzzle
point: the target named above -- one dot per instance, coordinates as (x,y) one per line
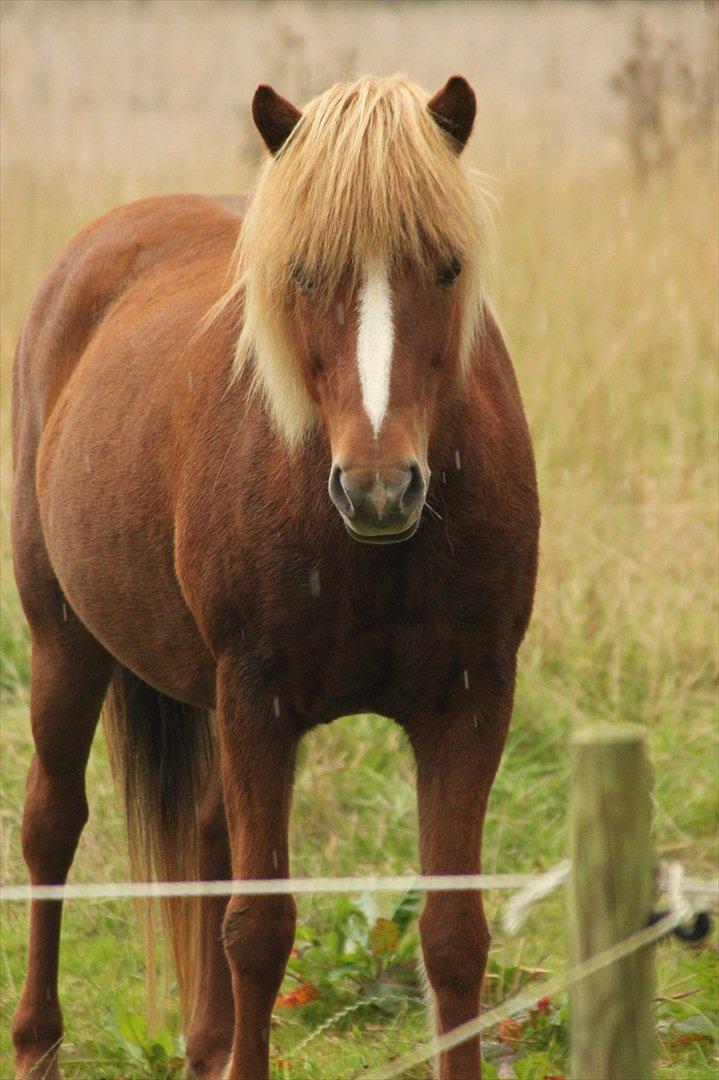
(379,508)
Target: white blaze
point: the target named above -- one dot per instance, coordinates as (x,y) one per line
(375,342)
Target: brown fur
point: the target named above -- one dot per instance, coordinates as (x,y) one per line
(161,524)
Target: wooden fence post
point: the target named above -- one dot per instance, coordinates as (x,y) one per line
(611,1028)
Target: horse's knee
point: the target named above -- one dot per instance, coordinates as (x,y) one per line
(455,942)
(258,933)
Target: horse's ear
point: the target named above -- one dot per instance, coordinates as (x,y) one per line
(454,108)
(274,116)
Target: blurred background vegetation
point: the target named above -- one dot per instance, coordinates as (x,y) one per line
(597,122)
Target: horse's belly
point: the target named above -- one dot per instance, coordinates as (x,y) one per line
(108,531)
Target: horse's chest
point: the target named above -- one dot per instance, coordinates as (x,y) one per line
(379,643)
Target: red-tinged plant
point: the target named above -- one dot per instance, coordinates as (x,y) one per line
(362,958)
(510,1031)
(301,995)
(544,1006)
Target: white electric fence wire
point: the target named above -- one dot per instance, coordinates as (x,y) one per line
(518,906)
(670,880)
(257,887)
(533,887)
(674,887)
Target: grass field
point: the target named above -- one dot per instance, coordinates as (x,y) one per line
(607,293)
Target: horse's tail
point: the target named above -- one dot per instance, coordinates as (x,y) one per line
(160,754)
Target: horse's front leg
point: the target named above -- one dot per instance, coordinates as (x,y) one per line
(457,758)
(257,756)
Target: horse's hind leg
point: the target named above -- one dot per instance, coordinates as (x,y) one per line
(69,676)
(209,1039)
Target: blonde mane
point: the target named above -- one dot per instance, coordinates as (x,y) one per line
(367,173)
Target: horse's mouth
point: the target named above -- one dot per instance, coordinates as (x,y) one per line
(382,538)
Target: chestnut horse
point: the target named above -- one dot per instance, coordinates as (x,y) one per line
(179,556)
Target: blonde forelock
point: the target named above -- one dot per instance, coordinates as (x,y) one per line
(367,173)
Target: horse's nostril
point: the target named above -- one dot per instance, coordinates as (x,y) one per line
(338,493)
(413,493)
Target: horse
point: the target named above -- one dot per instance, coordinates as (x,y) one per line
(271,468)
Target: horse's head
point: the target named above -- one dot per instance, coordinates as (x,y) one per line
(362,262)
(373,364)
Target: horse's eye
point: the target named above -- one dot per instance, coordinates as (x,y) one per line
(302,279)
(451,271)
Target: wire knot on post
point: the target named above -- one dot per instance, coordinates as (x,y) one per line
(696,920)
